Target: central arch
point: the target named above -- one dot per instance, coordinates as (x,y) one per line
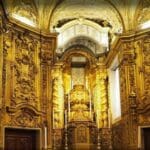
(79,50)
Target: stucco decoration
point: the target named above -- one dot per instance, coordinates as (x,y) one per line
(142,13)
(87,9)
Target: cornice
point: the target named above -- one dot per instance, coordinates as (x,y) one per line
(19,26)
(130,36)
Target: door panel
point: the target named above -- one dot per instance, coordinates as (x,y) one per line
(147,139)
(16,139)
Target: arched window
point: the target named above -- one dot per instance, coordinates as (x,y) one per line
(115,91)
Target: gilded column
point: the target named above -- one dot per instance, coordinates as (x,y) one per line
(1,77)
(96,99)
(7,49)
(1,59)
(100,97)
(67,78)
(103,97)
(58,98)
(46,91)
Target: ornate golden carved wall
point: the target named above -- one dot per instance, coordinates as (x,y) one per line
(25,80)
(133,51)
(30,84)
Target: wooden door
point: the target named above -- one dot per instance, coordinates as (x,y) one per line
(16,139)
(146,138)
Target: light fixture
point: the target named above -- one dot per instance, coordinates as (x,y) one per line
(24,20)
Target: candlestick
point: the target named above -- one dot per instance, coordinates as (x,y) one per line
(90,107)
(54,147)
(68,106)
(98,119)
(109,118)
(45,131)
(53,121)
(98,140)
(65,119)
(66,139)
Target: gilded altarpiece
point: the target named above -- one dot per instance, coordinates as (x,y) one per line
(85,104)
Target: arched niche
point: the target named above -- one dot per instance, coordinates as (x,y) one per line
(79,50)
(78,63)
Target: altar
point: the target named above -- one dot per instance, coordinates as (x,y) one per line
(82,135)
(81,126)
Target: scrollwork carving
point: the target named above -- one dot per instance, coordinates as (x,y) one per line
(46,57)
(24,116)
(25,120)
(25,71)
(129,54)
(46,53)
(146,65)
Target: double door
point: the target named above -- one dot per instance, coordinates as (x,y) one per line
(17,139)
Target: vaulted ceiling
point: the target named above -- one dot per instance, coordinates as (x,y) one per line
(120,15)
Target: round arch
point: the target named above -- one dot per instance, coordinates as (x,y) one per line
(79,51)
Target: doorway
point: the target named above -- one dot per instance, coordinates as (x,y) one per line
(146,134)
(20,139)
